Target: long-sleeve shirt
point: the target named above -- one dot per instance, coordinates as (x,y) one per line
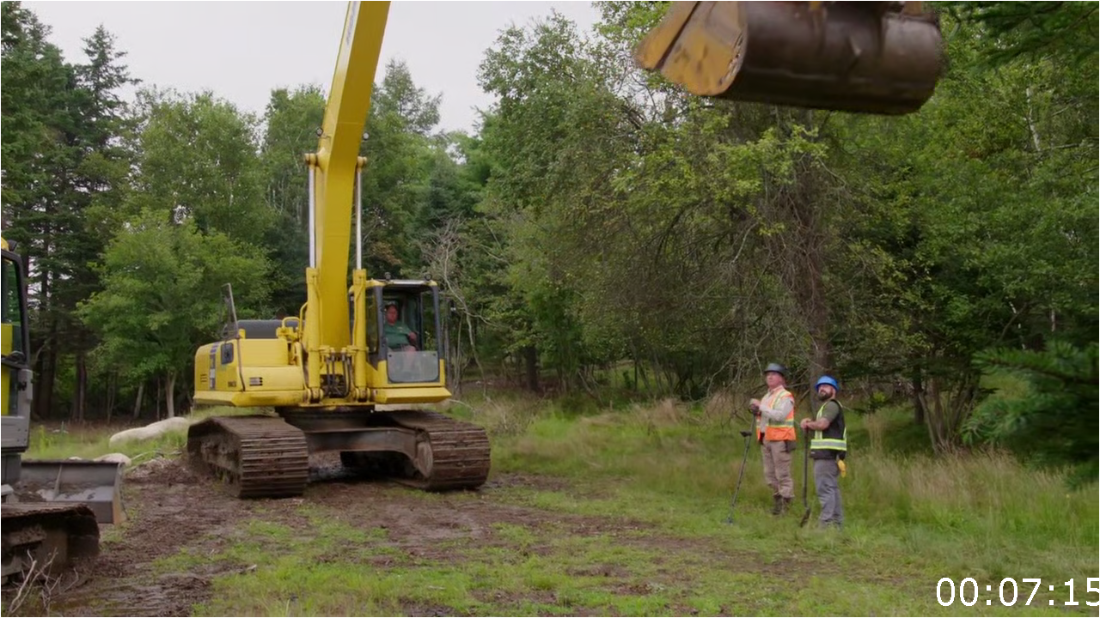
(771,409)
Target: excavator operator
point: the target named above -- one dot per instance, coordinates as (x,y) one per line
(398,335)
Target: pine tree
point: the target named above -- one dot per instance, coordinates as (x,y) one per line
(1054,423)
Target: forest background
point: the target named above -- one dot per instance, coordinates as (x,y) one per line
(605,237)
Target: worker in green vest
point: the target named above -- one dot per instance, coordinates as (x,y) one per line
(828,447)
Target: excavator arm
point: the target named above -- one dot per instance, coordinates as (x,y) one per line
(334,188)
(866,57)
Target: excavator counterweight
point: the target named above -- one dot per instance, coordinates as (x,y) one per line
(866,57)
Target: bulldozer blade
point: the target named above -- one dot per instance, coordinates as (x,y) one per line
(47,538)
(864,57)
(72,481)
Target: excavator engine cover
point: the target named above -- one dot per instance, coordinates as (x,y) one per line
(864,57)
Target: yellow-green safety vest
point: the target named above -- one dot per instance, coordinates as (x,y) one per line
(835,438)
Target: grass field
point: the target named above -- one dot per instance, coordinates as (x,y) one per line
(625,512)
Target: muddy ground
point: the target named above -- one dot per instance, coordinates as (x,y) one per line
(170,510)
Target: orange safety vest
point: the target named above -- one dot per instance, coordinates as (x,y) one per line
(776,431)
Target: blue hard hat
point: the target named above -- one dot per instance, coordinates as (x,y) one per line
(827,380)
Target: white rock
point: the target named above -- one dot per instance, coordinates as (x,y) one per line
(148,432)
(114,458)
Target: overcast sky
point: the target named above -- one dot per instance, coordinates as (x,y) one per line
(243,50)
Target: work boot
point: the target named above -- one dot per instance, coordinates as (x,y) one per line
(786,505)
(777,506)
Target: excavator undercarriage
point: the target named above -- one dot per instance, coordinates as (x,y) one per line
(268,456)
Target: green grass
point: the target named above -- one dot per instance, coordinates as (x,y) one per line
(908,517)
(550,571)
(634,509)
(90,441)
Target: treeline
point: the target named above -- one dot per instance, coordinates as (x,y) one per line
(599,218)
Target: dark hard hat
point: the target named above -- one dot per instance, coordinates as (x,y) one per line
(776,367)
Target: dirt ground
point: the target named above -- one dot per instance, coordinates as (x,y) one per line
(169,509)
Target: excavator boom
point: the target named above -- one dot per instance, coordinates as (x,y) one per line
(866,57)
(336,164)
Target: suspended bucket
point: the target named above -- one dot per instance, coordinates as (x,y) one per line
(867,57)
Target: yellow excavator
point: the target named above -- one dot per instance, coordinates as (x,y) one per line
(354,349)
(51,508)
(351,351)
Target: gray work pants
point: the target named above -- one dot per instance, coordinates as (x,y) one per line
(826,474)
(777,468)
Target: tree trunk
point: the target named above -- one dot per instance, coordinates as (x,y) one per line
(170,394)
(918,399)
(137,400)
(531,359)
(947,403)
(112,393)
(43,383)
(811,268)
(157,417)
(81,387)
(47,366)
(639,369)
(457,363)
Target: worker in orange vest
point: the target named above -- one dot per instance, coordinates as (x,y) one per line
(776,434)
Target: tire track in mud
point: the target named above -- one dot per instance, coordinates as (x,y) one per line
(171,510)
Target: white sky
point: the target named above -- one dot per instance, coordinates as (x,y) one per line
(243,50)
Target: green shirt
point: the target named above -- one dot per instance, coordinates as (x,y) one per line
(832,409)
(397,335)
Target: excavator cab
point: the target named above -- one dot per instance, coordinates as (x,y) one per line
(407,338)
(864,57)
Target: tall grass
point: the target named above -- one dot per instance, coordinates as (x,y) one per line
(979,514)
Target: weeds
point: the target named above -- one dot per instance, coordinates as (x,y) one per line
(633,522)
(37,584)
(981,512)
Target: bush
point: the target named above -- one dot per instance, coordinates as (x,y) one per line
(1054,422)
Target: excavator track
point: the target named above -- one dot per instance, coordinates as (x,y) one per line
(47,539)
(256,456)
(459,451)
(450,454)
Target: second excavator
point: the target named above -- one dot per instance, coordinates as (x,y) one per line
(351,350)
